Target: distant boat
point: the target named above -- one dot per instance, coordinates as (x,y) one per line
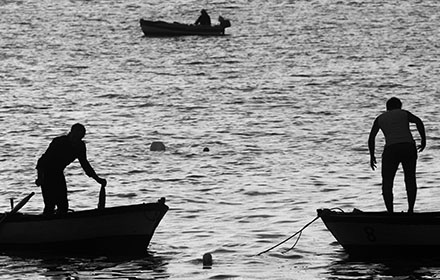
(162,28)
(383,234)
(125,230)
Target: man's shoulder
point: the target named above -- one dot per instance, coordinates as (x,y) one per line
(382,115)
(393,113)
(80,147)
(60,139)
(393,116)
(65,140)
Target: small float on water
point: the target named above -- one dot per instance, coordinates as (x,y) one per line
(383,234)
(162,28)
(122,230)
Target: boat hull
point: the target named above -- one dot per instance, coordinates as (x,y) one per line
(381,233)
(161,28)
(123,229)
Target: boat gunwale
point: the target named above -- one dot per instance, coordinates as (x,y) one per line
(183,26)
(143,207)
(331,216)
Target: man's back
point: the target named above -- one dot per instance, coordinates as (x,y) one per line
(61,153)
(395,126)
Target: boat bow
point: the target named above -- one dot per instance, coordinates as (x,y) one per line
(378,233)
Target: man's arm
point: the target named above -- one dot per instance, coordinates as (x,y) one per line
(420,128)
(85,164)
(371,143)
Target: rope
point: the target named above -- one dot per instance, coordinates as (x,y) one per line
(287,239)
(296,242)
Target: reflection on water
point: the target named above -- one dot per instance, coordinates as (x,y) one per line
(383,268)
(28,265)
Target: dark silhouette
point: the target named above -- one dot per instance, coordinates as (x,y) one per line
(62,151)
(399,148)
(203,19)
(224,22)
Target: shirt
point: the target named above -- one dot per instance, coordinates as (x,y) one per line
(62,152)
(395,126)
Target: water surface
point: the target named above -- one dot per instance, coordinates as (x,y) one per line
(284,103)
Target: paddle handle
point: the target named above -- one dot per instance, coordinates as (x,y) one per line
(101,202)
(17,207)
(21,203)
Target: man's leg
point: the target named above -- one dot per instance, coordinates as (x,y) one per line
(61,196)
(49,201)
(47,190)
(389,169)
(409,163)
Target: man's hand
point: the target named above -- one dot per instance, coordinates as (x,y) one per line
(103,182)
(422,146)
(40,177)
(373,162)
(38,182)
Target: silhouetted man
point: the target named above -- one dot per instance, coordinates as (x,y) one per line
(399,148)
(62,151)
(203,19)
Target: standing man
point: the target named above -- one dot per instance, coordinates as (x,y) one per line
(399,148)
(62,151)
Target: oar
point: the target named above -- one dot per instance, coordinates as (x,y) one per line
(17,207)
(101,202)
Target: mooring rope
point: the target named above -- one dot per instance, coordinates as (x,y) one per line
(294,244)
(287,239)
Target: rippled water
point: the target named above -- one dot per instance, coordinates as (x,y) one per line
(284,103)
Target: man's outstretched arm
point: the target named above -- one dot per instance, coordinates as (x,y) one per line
(371,143)
(85,164)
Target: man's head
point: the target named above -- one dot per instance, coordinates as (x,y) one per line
(77,132)
(394,103)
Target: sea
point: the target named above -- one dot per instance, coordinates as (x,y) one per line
(262,127)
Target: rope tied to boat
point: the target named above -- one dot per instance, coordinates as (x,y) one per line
(299,232)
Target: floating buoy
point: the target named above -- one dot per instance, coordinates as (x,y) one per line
(207,260)
(157,146)
(206,149)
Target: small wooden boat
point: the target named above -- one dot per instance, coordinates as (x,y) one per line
(116,230)
(162,28)
(381,233)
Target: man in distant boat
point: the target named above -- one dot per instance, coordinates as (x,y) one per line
(62,151)
(203,19)
(400,147)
